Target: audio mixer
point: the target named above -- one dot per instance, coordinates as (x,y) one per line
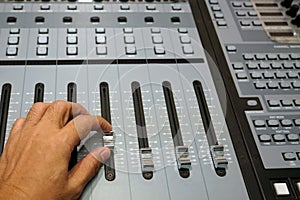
(203,95)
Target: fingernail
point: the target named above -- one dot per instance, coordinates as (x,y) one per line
(104,154)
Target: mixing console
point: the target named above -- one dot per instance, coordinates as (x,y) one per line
(203,96)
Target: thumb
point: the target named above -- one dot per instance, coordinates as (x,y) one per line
(87,168)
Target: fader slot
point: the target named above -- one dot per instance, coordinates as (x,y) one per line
(72,97)
(4,106)
(216,149)
(181,151)
(39,92)
(145,151)
(108,138)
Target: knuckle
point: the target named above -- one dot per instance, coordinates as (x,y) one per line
(59,104)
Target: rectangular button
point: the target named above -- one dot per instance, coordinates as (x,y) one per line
(11,51)
(101,50)
(188,49)
(45,7)
(157,39)
(43,31)
(42,51)
(182,30)
(72,51)
(130,50)
(185,39)
(155,30)
(101,39)
(150,7)
(281,189)
(14,31)
(71,40)
(159,50)
(42,40)
(100,30)
(129,39)
(127,30)
(98,7)
(13,40)
(72,30)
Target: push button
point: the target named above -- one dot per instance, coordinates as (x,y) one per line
(293,137)
(284,85)
(188,49)
(273,123)
(286,122)
(182,30)
(127,30)
(11,51)
(157,39)
(259,123)
(100,39)
(14,31)
(260,85)
(159,50)
(289,156)
(72,30)
(185,39)
(278,138)
(42,51)
(129,39)
(241,75)
(150,7)
(155,30)
(100,30)
(273,103)
(71,40)
(281,189)
(42,40)
(72,51)
(231,48)
(130,50)
(265,138)
(98,7)
(101,50)
(13,40)
(43,31)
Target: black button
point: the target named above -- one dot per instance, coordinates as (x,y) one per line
(175,20)
(39,19)
(67,19)
(122,19)
(11,20)
(95,19)
(149,19)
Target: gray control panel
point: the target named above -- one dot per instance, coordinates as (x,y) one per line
(144,64)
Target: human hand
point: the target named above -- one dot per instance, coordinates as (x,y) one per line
(34,163)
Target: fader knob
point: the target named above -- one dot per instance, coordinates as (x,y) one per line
(293,10)
(287,3)
(296,21)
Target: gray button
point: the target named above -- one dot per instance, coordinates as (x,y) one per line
(98,7)
(260,56)
(252,65)
(296,84)
(129,39)
(157,39)
(11,51)
(256,75)
(72,51)
(213,1)
(286,122)
(71,40)
(221,23)
(159,50)
(268,75)
(259,123)
(274,103)
(241,75)
(289,156)
(297,65)
(297,102)
(273,123)
(176,7)
(43,31)
(288,65)
(284,85)
(45,7)
(238,66)
(271,56)
(237,4)
(182,30)
(252,103)
(150,7)
(218,15)
(72,7)
(41,51)
(280,74)
(231,48)
(187,49)
(155,30)
(265,138)
(276,65)
(125,7)
(245,23)
(130,50)
(18,7)
(215,8)
(248,4)
(297,122)
(100,30)
(14,31)
(286,102)
(293,137)
(260,85)
(101,50)
(13,40)
(272,85)
(252,13)
(264,65)
(127,30)
(248,56)
(185,39)
(72,30)
(241,13)
(292,74)
(283,56)
(42,40)
(101,39)
(295,56)
(279,138)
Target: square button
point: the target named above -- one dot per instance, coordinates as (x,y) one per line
(72,51)
(43,31)
(188,49)
(11,51)
(159,50)
(101,39)
(155,30)
(41,51)
(130,50)
(129,39)
(101,50)
(71,40)
(100,30)
(127,30)
(281,189)
(42,40)
(157,39)
(13,40)
(14,31)
(72,30)
(185,39)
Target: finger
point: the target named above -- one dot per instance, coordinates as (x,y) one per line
(86,169)
(60,112)
(14,134)
(36,112)
(79,128)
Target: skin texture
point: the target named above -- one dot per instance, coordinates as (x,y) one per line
(34,163)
